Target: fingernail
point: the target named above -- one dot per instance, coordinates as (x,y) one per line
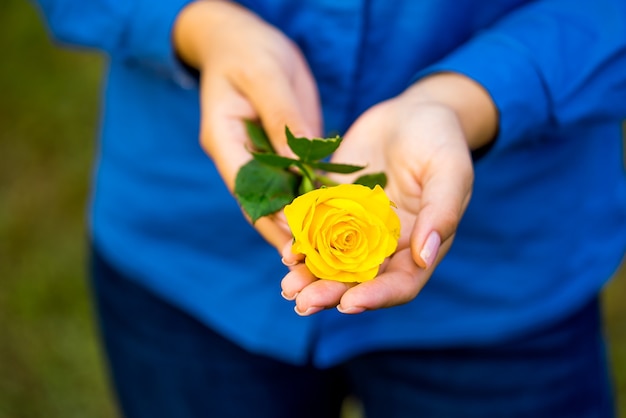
(430,249)
(310,310)
(288,264)
(350,310)
(289,298)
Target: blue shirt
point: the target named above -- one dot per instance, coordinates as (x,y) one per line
(546,226)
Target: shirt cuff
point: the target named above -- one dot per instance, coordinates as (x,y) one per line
(151,34)
(503,67)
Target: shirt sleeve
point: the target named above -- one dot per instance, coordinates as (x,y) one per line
(548,64)
(138,31)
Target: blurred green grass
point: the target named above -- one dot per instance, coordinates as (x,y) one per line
(50,361)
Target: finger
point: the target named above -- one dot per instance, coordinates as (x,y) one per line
(398,284)
(288,257)
(319,295)
(297,279)
(222,133)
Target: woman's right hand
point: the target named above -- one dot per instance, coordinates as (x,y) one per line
(422,140)
(248,70)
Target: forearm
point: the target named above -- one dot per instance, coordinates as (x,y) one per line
(533,87)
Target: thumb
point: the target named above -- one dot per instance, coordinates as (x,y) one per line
(445,195)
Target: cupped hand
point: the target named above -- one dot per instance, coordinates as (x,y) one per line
(420,140)
(248,70)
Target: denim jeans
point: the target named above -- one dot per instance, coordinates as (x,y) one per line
(165,364)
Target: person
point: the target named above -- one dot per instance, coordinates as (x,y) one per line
(516,104)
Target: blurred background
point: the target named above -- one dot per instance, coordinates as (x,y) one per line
(50,360)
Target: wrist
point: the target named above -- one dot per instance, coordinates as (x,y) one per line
(471,103)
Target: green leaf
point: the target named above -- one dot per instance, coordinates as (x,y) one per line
(371,180)
(311,150)
(336,168)
(262,190)
(274,160)
(258,137)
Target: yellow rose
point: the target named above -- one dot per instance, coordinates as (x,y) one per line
(345,232)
